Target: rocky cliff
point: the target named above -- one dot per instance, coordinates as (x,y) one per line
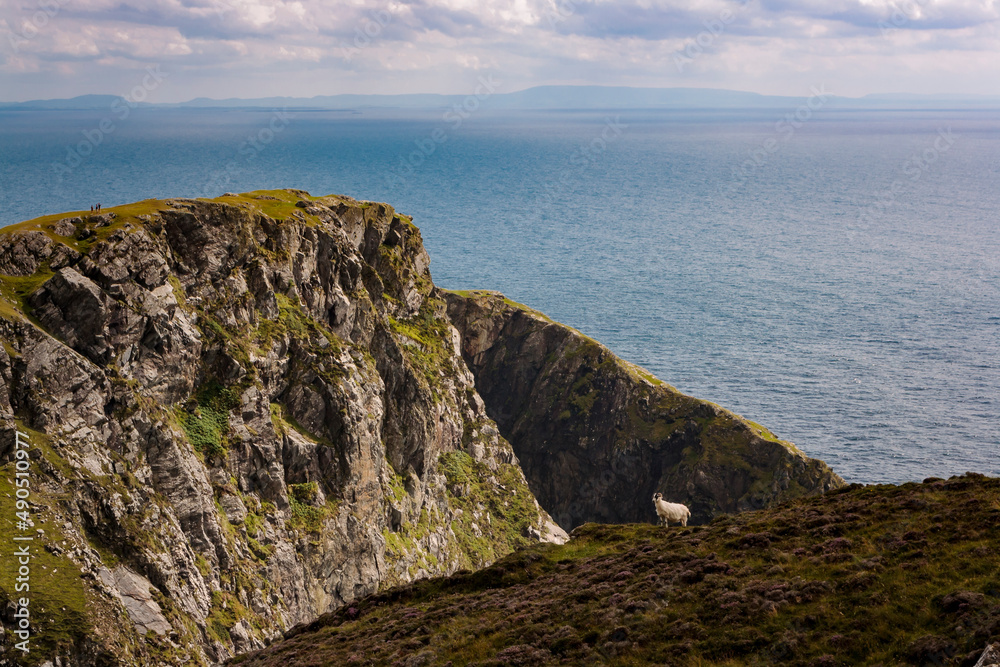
(597,436)
(245,412)
(242,413)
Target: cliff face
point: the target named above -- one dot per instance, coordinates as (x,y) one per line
(597,436)
(242,413)
(245,412)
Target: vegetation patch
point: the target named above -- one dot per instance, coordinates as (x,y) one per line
(426,344)
(397,485)
(278,205)
(306,515)
(891,575)
(657,430)
(123,215)
(226,612)
(207,423)
(497,509)
(407,544)
(15,291)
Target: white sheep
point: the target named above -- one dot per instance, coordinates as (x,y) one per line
(668,512)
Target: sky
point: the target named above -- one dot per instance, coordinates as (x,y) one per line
(176,50)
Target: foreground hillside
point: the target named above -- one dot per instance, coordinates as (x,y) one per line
(877,575)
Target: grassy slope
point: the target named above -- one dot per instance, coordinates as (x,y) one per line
(863,575)
(57,595)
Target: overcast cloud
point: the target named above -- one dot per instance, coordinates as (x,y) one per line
(257,48)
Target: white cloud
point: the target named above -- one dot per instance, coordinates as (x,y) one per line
(309,47)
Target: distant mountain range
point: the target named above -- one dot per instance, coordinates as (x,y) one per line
(555,97)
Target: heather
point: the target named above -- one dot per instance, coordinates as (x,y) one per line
(878,575)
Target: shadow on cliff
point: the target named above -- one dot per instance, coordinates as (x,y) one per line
(597,436)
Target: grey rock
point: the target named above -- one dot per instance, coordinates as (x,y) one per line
(133,591)
(243,638)
(990,656)
(21,253)
(75,309)
(236,511)
(6,377)
(67,226)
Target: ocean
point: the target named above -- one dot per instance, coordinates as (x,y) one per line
(831,274)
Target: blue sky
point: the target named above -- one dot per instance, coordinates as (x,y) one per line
(256,48)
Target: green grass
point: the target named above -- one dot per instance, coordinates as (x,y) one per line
(124,215)
(427,344)
(511,509)
(306,515)
(397,486)
(496,510)
(207,425)
(226,612)
(16,290)
(406,543)
(765,433)
(276,204)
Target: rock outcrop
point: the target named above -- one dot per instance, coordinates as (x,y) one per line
(245,412)
(242,413)
(597,436)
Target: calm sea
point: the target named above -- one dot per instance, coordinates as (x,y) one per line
(836,278)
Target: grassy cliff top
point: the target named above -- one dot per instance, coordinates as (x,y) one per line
(81,231)
(864,575)
(277,204)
